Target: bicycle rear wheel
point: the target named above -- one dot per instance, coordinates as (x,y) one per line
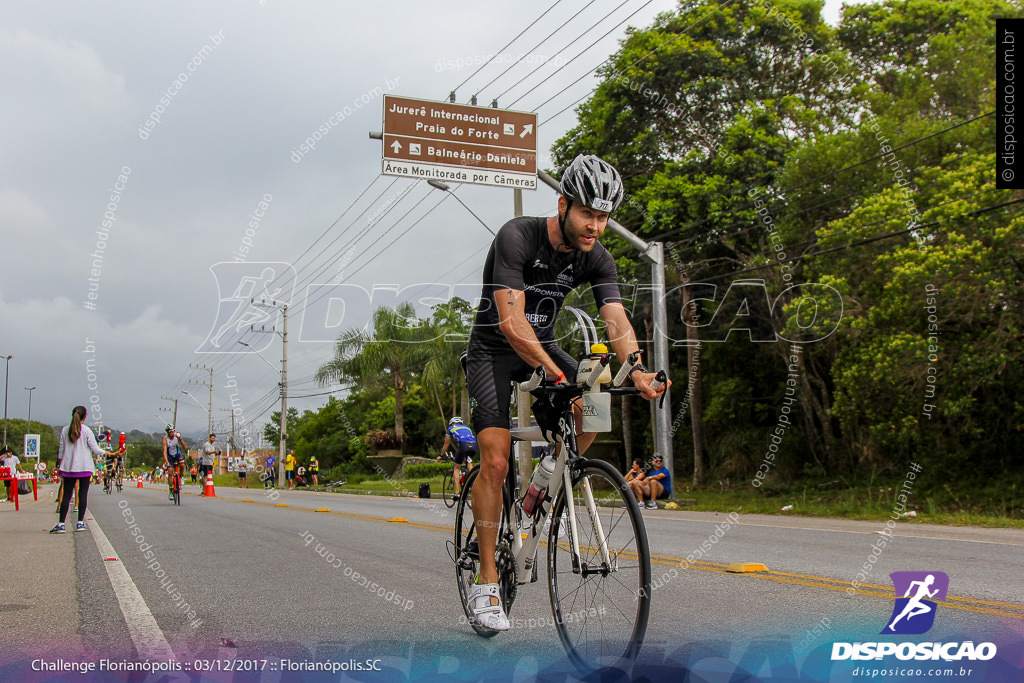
(448,490)
(467,554)
(602,605)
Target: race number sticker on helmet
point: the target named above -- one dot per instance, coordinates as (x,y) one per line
(592,182)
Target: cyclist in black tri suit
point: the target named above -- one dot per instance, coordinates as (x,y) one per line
(532,265)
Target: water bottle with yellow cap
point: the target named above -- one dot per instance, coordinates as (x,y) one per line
(592,361)
(597,407)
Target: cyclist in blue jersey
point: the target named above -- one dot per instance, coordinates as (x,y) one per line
(463,437)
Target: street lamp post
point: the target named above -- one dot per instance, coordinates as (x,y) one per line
(7,372)
(29,390)
(438,185)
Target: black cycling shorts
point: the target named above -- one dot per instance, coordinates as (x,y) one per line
(489,377)
(465,450)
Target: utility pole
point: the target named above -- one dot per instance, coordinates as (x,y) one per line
(174,419)
(524,449)
(283,426)
(209,428)
(231,444)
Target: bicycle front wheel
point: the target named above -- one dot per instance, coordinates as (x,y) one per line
(602,602)
(177,490)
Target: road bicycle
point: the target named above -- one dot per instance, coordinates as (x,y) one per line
(108,478)
(448,486)
(175,483)
(598,560)
(119,481)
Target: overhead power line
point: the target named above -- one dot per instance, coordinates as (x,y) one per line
(491,57)
(662,46)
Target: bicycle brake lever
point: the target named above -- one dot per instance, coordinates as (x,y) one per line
(659,380)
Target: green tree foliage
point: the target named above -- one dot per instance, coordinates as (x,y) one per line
(48,438)
(753,137)
(272,430)
(393,348)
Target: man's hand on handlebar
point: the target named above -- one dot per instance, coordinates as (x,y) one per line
(642,381)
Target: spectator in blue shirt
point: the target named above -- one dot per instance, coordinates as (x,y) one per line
(653,485)
(269,476)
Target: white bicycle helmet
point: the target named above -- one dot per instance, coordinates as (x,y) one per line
(455,421)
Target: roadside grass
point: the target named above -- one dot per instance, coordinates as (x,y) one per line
(854,502)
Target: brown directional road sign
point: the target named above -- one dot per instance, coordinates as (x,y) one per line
(488,146)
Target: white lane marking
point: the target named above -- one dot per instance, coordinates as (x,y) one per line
(865,531)
(149,640)
(908,531)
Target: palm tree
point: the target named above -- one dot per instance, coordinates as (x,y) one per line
(396,347)
(449,336)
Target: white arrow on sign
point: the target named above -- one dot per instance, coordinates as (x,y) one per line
(397,146)
(527,129)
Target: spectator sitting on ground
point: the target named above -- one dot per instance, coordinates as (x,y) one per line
(652,485)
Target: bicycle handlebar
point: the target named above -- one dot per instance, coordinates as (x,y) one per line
(535,380)
(540,378)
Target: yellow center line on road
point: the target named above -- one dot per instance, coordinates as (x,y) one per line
(1008,610)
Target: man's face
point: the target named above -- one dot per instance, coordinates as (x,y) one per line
(657,463)
(213,437)
(583,226)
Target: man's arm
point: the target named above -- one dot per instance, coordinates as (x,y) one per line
(623,341)
(511,304)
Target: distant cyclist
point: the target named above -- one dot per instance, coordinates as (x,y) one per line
(463,438)
(532,265)
(173,446)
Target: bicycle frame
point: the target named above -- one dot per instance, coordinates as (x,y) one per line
(525,550)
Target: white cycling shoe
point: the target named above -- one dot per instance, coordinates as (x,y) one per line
(488,615)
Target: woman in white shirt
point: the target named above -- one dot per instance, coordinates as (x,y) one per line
(75,463)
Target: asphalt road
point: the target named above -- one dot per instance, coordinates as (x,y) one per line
(250,572)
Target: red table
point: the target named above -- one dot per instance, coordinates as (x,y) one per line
(5,475)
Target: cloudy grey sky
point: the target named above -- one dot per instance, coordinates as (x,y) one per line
(97,126)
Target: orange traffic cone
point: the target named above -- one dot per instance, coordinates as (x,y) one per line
(139,485)
(208,490)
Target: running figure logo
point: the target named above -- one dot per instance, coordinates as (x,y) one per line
(914,612)
(241,287)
